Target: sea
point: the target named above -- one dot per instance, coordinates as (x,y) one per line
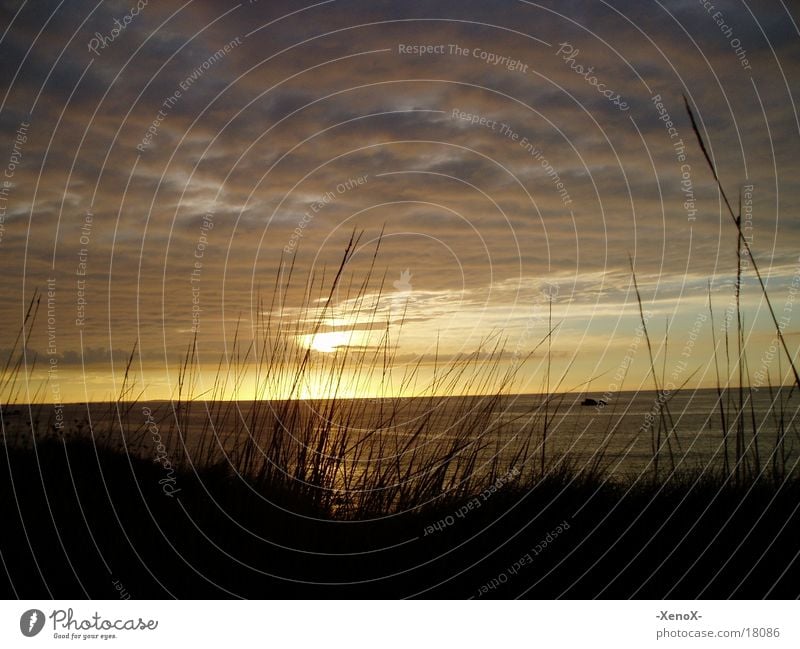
(624,434)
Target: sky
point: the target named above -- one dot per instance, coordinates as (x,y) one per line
(164,161)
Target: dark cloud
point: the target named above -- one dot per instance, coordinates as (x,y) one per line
(319,97)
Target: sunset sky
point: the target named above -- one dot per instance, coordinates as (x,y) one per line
(511,152)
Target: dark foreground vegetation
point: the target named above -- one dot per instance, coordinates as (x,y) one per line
(336,504)
(82,522)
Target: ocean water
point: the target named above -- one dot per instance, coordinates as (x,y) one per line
(687,426)
(691,425)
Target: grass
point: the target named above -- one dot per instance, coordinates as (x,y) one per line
(333,456)
(218,538)
(336,496)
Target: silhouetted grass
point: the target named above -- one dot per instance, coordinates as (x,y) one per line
(303,496)
(94,515)
(299,498)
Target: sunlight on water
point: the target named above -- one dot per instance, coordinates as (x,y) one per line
(621,431)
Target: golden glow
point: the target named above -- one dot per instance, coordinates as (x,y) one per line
(328,341)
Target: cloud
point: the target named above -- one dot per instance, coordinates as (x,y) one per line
(317,97)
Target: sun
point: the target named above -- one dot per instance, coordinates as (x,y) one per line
(328,341)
